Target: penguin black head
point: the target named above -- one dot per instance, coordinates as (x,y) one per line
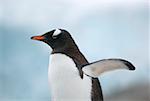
(57,38)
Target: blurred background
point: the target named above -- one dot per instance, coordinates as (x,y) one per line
(101,28)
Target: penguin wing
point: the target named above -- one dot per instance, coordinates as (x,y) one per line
(96,68)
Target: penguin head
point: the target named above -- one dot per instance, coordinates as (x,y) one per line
(57,38)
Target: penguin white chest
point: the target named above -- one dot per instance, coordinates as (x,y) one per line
(65,82)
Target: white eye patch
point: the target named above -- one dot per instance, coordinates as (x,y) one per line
(56,32)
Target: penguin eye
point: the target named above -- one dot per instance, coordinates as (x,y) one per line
(54,37)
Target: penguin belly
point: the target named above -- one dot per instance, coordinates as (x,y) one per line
(65,82)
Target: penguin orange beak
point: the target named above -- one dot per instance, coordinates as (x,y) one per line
(39,38)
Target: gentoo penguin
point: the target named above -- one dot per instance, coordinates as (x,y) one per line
(71,77)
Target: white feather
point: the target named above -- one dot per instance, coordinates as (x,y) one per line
(65,82)
(56,32)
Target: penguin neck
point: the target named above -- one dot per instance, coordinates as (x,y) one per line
(70,47)
(73,52)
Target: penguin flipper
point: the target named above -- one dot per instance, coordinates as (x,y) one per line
(95,69)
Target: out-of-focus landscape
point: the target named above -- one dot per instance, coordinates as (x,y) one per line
(101,28)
